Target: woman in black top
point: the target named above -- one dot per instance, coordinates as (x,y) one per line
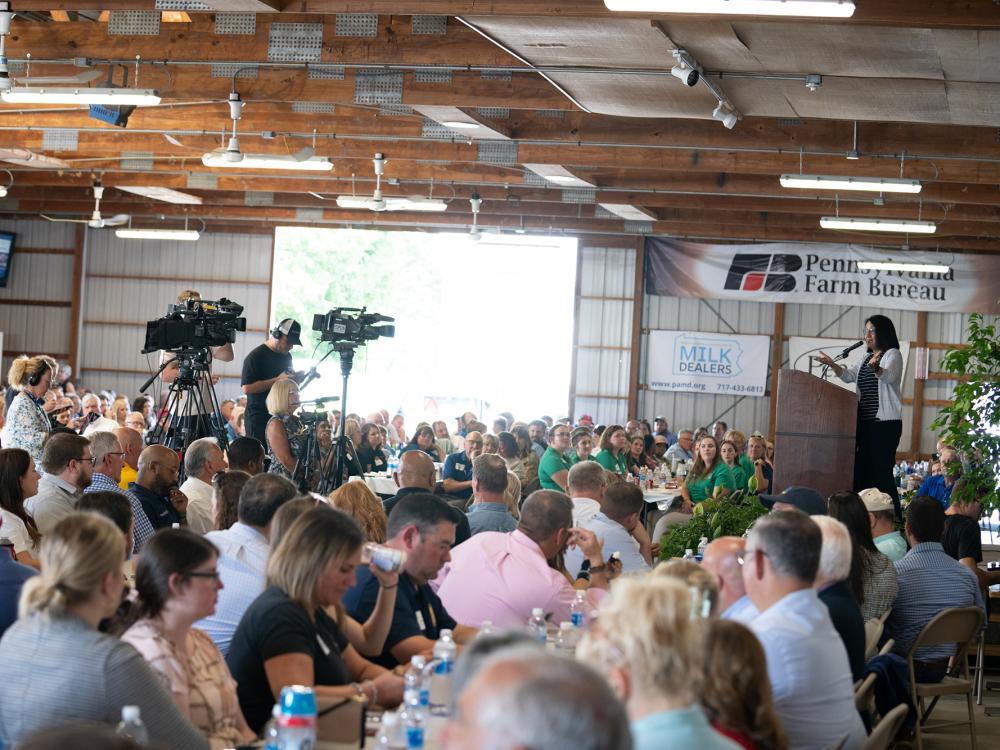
(370,452)
(286,636)
(878,375)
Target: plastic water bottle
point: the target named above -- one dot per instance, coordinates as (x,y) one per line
(566,639)
(297,718)
(415,725)
(702,544)
(131,726)
(444,664)
(270,734)
(537,625)
(415,692)
(578,610)
(391,732)
(688,555)
(486,628)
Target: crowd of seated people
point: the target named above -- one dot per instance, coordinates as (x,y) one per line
(241,584)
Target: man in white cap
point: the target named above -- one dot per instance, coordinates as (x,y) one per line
(882,515)
(263,367)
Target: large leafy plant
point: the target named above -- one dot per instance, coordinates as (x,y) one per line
(718,516)
(972,422)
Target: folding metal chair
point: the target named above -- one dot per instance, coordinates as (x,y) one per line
(885,731)
(959,626)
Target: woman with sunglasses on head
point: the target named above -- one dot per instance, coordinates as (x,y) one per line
(178,584)
(878,375)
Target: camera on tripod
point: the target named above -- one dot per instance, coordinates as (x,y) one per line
(195,324)
(339,327)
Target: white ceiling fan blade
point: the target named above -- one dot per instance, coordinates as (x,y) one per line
(70,221)
(304,154)
(116,220)
(26,158)
(85,77)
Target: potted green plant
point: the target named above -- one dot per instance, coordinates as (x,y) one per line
(972,423)
(729,515)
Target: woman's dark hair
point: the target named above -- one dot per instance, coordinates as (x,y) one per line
(140,401)
(508,444)
(14,464)
(885,333)
(423,429)
(365,429)
(735,449)
(648,441)
(848,508)
(227,486)
(520,433)
(168,552)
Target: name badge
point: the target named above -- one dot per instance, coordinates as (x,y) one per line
(322,645)
(459,467)
(420,620)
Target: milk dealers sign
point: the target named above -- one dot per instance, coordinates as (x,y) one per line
(707,363)
(818,274)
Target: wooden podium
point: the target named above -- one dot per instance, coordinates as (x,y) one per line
(814,434)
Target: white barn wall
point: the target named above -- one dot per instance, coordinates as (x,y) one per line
(131,282)
(41,277)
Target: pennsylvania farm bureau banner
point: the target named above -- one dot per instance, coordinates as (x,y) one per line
(818,274)
(707,363)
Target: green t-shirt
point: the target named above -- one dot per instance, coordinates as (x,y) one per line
(703,487)
(747,465)
(740,478)
(574,459)
(552,463)
(616,465)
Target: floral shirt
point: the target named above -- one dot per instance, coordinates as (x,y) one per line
(199,682)
(27,426)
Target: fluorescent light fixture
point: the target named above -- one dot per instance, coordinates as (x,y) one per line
(162,194)
(492,239)
(894,265)
(563,178)
(460,125)
(873,184)
(56,95)
(810,8)
(878,225)
(267,161)
(158,234)
(627,212)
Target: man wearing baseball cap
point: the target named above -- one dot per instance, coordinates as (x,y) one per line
(263,367)
(808,500)
(882,514)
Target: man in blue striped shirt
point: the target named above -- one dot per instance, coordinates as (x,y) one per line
(929,581)
(108,460)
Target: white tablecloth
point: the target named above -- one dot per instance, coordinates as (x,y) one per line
(380,485)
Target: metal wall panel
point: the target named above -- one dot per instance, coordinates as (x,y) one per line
(40,277)
(604,333)
(116,310)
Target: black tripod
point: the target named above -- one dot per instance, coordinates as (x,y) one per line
(187,415)
(334,473)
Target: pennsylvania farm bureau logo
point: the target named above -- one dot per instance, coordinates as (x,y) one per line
(763,273)
(719,358)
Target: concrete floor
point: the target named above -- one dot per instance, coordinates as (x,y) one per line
(954,709)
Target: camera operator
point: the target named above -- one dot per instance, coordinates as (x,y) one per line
(269,363)
(222,353)
(288,435)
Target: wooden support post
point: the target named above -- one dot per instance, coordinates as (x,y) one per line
(633,370)
(777,338)
(76,304)
(917,425)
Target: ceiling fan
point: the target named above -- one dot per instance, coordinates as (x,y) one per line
(379,203)
(7,81)
(26,158)
(96,221)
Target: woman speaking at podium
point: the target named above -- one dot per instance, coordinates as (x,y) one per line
(878,375)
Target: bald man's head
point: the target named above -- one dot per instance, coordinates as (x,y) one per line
(158,468)
(720,560)
(416,470)
(131,443)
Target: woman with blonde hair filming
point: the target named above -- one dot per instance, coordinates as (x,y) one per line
(28,423)
(286,636)
(647,642)
(58,668)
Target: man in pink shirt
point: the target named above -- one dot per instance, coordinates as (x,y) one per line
(502,577)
